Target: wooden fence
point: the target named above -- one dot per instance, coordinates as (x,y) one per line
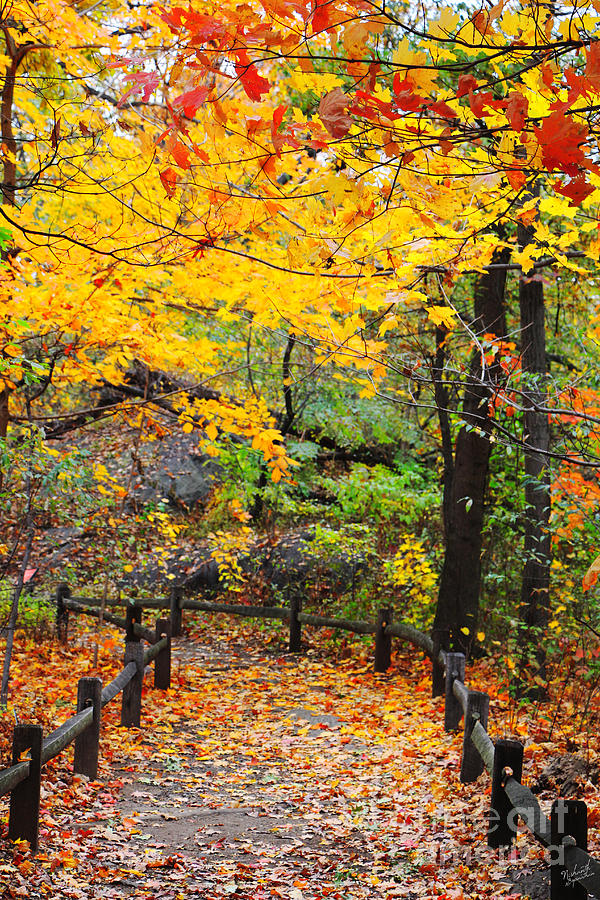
(573,871)
(23,779)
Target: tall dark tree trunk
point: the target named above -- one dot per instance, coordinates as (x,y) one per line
(9,177)
(458,599)
(442,402)
(535,586)
(286,424)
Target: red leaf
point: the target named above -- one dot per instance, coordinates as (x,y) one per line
(560,139)
(278,139)
(577,84)
(576,190)
(254,83)
(592,65)
(547,75)
(466,83)
(321,19)
(146,82)
(404,96)
(190,101)
(517,107)
(479,100)
(169,181)
(202,28)
(408,101)
(442,109)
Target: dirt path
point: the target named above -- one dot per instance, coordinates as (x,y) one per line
(262,774)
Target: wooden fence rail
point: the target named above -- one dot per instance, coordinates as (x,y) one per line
(23,779)
(573,871)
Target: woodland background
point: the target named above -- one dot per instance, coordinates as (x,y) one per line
(337,262)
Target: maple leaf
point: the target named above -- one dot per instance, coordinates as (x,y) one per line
(253,82)
(202,27)
(517,107)
(146,82)
(517,178)
(481,99)
(577,189)
(55,135)
(321,17)
(591,576)
(181,155)
(440,108)
(560,139)
(446,144)
(592,65)
(332,112)
(169,180)
(466,84)
(191,101)
(442,315)
(277,138)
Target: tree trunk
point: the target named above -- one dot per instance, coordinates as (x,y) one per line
(535,586)
(458,598)
(8,185)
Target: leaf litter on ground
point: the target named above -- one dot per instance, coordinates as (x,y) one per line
(259,774)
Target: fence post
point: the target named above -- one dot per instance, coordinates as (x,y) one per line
(63,591)
(85,760)
(162,663)
(455,668)
(24,810)
(383,641)
(295,643)
(478,706)
(133,616)
(441,641)
(501,828)
(175,612)
(566,817)
(131,704)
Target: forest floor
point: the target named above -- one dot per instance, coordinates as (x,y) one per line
(261,774)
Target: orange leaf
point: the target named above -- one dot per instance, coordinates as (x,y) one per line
(516,178)
(181,155)
(591,576)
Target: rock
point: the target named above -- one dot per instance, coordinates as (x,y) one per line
(301,559)
(297,560)
(567,774)
(179,473)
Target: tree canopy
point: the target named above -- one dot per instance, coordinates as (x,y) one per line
(311,227)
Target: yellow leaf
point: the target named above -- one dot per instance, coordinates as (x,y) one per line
(465,631)
(480,635)
(211,431)
(188,427)
(441,315)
